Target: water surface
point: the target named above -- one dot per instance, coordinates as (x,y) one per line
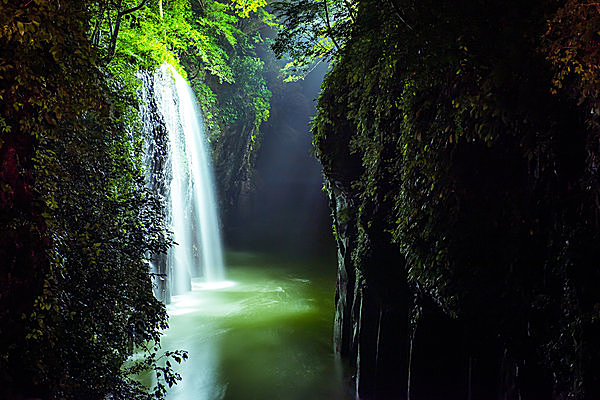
(266,334)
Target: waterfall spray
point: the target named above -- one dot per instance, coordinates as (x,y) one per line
(190,194)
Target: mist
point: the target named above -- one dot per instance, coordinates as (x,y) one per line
(288,210)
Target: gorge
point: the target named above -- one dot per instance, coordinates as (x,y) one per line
(458,149)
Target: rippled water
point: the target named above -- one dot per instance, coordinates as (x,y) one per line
(264,334)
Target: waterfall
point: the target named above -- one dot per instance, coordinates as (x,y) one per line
(187,184)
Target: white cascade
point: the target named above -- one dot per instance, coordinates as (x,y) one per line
(191,193)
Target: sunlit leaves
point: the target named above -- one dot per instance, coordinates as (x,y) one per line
(244,7)
(154,35)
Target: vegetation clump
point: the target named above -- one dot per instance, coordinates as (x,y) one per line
(78,222)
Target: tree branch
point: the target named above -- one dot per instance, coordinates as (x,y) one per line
(134,9)
(399,14)
(335,43)
(115,33)
(350,13)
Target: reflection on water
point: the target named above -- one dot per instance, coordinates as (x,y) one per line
(265,334)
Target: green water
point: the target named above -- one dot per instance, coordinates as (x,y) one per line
(265,336)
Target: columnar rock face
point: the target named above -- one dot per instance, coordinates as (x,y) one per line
(398,342)
(346,235)
(371,309)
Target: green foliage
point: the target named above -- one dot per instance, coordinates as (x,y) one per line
(164,33)
(244,7)
(311,31)
(99,303)
(209,43)
(248,73)
(572,45)
(77,211)
(481,177)
(78,222)
(243,96)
